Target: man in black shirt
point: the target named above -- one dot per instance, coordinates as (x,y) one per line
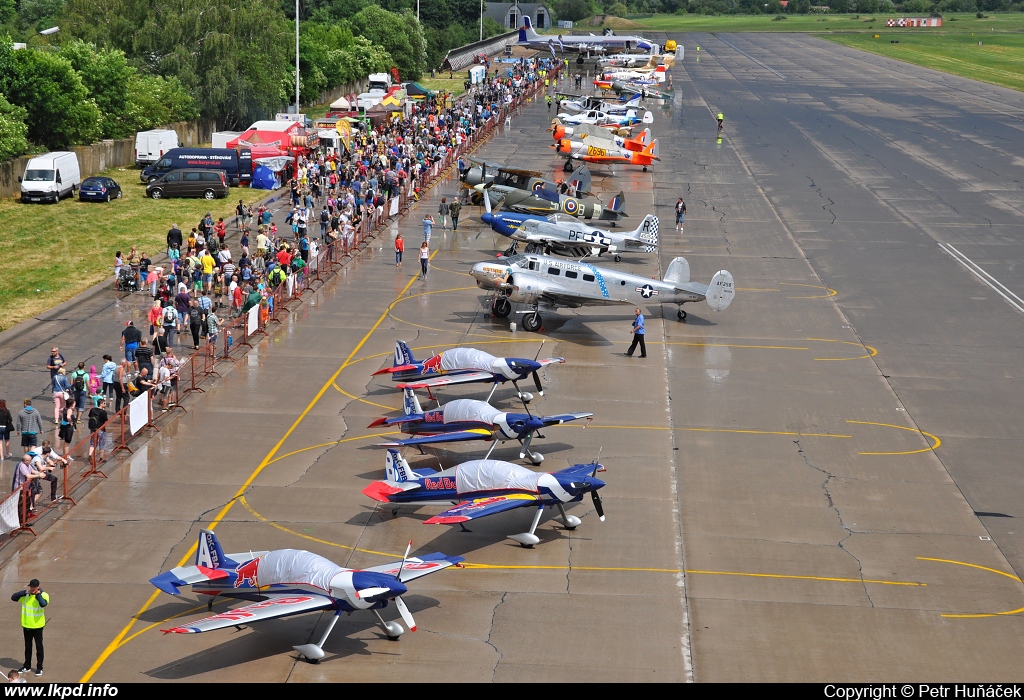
(174,236)
(130,338)
(144,357)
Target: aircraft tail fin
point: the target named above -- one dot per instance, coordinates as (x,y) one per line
(526,32)
(721,291)
(640,141)
(396,468)
(648,232)
(403,355)
(411,404)
(209,552)
(678,272)
(580,180)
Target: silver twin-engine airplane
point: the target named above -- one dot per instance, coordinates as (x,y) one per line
(538,280)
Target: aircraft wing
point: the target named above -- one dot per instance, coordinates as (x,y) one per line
(480,507)
(447,379)
(275,605)
(461,436)
(565,418)
(575,299)
(415,567)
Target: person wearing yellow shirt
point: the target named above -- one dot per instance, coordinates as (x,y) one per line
(208,264)
(32,600)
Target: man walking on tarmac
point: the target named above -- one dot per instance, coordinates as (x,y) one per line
(32,600)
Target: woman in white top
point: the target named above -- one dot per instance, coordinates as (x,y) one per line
(424,258)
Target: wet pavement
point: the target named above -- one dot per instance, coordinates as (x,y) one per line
(817,484)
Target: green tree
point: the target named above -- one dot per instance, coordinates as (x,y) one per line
(400,35)
(618,9)
(574,10)
(60,111)
(840,6)
(13,130)
(106,74)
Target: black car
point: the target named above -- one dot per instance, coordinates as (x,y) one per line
(99,189)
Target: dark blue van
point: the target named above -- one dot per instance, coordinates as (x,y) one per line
(236,162)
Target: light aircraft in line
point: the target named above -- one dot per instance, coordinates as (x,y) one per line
(543,202)
(484,487)
(463,366)
(596,133)
(599,118)
(502,179)
(291,581)
(466,419)
(541,281)
(597,150)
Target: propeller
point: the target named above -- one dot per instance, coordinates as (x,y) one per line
(526,445)
(406,615)
(597,505)
(536,376)
(404,558)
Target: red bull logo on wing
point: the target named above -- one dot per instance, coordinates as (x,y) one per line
(432,365)
(247,574)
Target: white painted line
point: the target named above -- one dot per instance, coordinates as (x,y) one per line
(979,272)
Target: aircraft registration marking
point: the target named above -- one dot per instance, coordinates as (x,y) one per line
(595,151)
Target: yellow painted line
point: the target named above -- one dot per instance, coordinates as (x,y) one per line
(732,345)
(368,403)
(983,568)
(931,448)
(830,579)
(871,351)
(118,641)
(831,292)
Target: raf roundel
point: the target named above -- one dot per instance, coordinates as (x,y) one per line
(571,206)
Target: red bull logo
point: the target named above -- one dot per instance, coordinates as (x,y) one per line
(247,574)
(441,483)
(433,365)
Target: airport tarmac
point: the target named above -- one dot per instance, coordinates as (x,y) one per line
(818,484)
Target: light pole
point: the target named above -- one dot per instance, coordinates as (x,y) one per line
(481,20)
(296,59)
(417,11)
(45,32)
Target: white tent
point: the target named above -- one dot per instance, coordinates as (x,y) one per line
(341,103)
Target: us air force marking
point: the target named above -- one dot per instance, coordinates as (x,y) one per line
(647,291)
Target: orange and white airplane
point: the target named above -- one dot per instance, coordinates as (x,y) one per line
(596,133)
(597,150)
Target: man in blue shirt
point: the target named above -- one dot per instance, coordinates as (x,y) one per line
(638,336)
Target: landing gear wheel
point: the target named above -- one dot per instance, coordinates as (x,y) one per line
(681,315)
(531,322)
(645,168)
(526,546)
(567,167)
(502,308)
(393,639)
(618,258)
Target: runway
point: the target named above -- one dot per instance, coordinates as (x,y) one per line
(818,484)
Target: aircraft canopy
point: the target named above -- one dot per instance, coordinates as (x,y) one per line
(492,474)
(467,358)
(470,410)
(296,566)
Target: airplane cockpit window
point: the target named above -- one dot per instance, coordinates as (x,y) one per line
(514,260)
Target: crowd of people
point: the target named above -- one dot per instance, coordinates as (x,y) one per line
(205,280)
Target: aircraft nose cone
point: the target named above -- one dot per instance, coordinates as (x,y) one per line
(487,218)
(397,588)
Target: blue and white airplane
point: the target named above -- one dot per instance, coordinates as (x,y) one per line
(292,581)
(466,419)
(484,487)
(463,366)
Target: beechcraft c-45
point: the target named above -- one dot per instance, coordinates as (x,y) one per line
(540,281)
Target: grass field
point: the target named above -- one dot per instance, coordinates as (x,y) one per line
(959,23)
(51,252)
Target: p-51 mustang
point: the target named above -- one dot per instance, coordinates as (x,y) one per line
(466,419)
(291,581)
(597,150)
(484,487)
(463,366)
(566,235)
(539,281)
(543,202)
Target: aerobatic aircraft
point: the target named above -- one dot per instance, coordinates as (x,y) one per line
(581,43)
(585,102)
(291,581)
(567,235)
(538,280)
(463,366)
(542,202)
(466,419)
(484,487)
(598,150)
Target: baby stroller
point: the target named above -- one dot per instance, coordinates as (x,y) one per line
(126,281)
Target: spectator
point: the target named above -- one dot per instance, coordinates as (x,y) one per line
(130,338)
(6,428)
(79,387)
(94,385)
(454,209)
(54,362)
(174,238)
(32,601)
(107,372)
(155,316)
(195,322)
(48,466)
(121,384)
(61,394)
(23,474)
(428,224)
(144,357)
(424,259)
(97,434)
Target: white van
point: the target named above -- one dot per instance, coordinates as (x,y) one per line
(50,177)
(379,81)
(151,145)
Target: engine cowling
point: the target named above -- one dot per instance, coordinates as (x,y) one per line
(523,288)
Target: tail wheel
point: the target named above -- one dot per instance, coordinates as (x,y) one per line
(531,322)
(567,167)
